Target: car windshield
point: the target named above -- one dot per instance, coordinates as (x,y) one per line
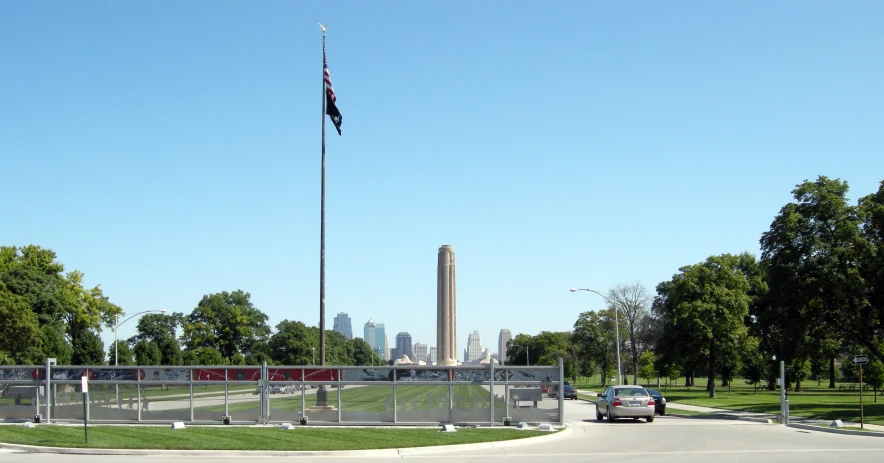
(654,392)
(569,388)
(630,392)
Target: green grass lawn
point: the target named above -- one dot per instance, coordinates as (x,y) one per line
(250,438)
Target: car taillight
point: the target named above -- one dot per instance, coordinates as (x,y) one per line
(651,402)
(617,402)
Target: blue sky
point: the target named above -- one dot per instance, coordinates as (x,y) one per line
(171,149)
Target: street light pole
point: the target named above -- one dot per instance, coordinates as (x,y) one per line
(616,327)
(116,349)
(314,356)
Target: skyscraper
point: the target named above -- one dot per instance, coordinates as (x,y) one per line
(380,337)
(343,326)
(420,352)
(474,347)
(505,336)
(371,333)
(403,346)
(431,357)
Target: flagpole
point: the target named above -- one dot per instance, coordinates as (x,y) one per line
(322,221)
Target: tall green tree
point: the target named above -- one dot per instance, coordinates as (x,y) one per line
(161,328)
(226,322)
(595,334)
(704,310)
(816,287)
(20,336)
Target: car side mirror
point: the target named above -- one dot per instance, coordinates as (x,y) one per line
(599,395)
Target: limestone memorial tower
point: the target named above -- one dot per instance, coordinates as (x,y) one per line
(446,309)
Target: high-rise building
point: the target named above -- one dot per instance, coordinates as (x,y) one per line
(433,355)
(343,326)
(380,335)
(380,352)
(371,333)
(505,336)
(474,348)
(403,346)
(420,352)
(386,348)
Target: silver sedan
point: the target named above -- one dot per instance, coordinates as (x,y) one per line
(625,402)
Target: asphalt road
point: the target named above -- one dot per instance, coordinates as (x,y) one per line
(669,439)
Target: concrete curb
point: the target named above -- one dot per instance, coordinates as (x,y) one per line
(808,427)
(440,449)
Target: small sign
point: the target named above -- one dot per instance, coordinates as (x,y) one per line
(84,384)
(860,359)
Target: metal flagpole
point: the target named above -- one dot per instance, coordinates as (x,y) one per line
(322,220)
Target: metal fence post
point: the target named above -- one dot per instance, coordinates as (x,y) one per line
(191,399)
(561,392)
(491,391)
(395,398)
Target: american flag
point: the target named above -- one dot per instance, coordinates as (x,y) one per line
(330,108)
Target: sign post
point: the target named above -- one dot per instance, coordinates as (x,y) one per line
(84,385)
(860,360)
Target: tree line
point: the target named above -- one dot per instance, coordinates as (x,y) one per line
(47,312)
(815,296)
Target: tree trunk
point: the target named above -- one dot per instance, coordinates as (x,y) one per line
(725,382)
(831,372)
(797,386)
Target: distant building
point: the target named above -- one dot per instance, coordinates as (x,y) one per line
(371,329)
(420,352)
(342,325)
(505,336)
(375,337)
(403,345)
(386,348)
(431,357)
(474,348)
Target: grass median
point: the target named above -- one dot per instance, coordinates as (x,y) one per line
(251,438)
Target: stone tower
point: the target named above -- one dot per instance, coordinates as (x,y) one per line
(446,309)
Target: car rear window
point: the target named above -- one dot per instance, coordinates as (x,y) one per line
(630,392)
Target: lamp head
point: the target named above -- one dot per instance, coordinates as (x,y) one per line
(162,310)
(574,290)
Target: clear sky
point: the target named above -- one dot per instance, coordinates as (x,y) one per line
(171,149)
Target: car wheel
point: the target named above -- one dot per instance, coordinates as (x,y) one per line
(598,413)
(651,419)
(610,418)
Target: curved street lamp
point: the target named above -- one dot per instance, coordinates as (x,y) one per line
(116,353)
(616,326)
(527,355)
(117,325)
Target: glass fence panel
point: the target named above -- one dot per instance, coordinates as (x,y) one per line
(165,402)
(422,404)
(367,404)
(322,413)
(475,375)
(530,404)
(208,402)
(244,402)
(471,404)
(367,374)
(18,402)
(544,374)
(285,401)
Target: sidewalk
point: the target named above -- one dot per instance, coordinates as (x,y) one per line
(674,407)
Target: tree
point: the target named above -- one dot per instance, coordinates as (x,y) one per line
(293,343)
(815,280)
(633,302)
(88,349)
(646,366)
(515,355)
(147,353)
(161,328)
(20,336)
(125,353)
(594,333)
(871,264)
(226,322)
(704,308)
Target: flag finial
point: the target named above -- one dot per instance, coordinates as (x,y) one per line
(323,27)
